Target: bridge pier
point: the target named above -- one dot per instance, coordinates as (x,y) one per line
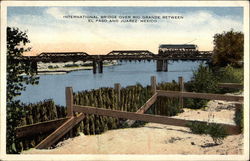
(165,65)
(94,67)
(97,65)
(100,66)
(161,65)
(158,65)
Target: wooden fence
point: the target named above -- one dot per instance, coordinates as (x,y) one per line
(51,125)
(39,128)
(76,113)
(231,85)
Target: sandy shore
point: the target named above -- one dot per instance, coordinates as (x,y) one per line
(62,70)
(157,138)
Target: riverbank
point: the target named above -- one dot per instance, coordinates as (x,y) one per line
(64,68)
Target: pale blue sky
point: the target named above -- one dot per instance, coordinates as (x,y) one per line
(220,11)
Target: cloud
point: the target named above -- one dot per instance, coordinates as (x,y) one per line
(55,12)
(59,12)
(97,38)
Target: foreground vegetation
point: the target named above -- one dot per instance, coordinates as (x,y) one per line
(205,80)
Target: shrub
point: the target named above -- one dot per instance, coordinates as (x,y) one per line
(194,103)
(197,127)
(138,124)
(231,75)
(15,112)
(216,131)
(202,81)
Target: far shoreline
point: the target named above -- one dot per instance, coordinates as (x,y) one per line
(65,70)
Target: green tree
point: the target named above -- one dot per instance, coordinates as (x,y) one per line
(228,48)
(19,74)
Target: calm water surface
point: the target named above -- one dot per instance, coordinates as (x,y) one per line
(128,73)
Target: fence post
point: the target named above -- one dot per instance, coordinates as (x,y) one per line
(117,87)
(69,101)
(100,66)
(69,105)
(153,84)
(181,84)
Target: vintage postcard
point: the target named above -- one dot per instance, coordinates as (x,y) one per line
(124,80)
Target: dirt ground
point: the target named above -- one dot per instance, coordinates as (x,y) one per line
(157,138)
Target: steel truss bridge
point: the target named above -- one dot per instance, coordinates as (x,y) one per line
(131,55)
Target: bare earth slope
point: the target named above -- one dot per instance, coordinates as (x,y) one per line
(156,138)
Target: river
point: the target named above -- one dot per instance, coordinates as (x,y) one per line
(127,73)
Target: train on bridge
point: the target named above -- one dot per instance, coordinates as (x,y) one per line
(176,49)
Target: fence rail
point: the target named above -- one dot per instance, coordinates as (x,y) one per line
(39,128)
(232,129)
(144,108)
(200,95)
(231,85)
(60,132)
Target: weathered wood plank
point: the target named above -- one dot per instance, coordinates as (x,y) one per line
(230,85)
(145,117)
(60,131)
(153,84)
(144,108)
(69,101)
(69,104)
(200,95)
(117,88)
(148,104)
(181,84)
(39,128)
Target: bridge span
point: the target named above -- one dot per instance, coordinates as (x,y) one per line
(161,58)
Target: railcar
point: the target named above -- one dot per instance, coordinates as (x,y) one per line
(166,48)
